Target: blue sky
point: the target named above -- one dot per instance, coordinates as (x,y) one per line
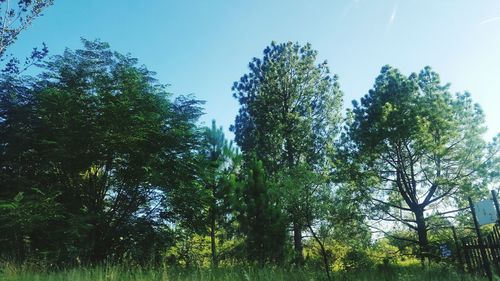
(202,47)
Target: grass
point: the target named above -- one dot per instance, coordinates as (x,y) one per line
(123,273)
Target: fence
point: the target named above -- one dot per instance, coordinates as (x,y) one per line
(470,256)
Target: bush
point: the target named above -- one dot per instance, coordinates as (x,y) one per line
(357,260)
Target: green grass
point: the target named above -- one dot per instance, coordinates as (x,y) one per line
(123,273)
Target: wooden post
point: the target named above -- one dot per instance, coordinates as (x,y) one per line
(457,249)
(494,253)
(497,207)
(484,257)
(468,260)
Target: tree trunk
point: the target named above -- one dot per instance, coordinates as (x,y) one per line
(262,253)
(297,227)
(215,262)
(323,252)
(297,243)
(98,247)
(423,240)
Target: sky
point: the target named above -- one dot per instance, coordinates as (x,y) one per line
(201,47)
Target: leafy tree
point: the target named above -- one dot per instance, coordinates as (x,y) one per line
(16,17)
(203,205)
(331,211)
(418,148)
(100,137)
(289,115)
(314,197)
(220,160)
(261,219)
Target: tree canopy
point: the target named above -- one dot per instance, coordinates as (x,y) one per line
(99,163)
(101,141)
(289,116)
(423,147)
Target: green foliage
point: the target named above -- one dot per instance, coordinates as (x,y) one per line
(357,260)
(290,107)
(261,219)
(98,164)
(99,137)
(417,147)
(213,191)
(16,17)
(289,115)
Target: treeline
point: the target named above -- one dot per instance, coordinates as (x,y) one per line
(98,162)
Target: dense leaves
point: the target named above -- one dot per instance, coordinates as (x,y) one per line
(422,147)
(99,137)
(98,162)
(289,115)
(262,221)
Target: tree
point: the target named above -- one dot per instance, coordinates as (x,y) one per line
(16,17)
(203,205)
(417,147)
(261,219)
(289,114)
(219,162)
(309,196)
(100,137)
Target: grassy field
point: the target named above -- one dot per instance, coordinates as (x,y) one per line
(121,273)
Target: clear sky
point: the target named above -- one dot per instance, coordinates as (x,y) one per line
(202,47)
